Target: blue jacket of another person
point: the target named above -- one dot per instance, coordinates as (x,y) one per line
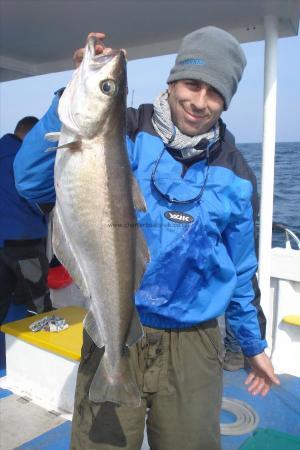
(18,219)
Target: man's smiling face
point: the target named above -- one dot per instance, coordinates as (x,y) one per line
(195,106)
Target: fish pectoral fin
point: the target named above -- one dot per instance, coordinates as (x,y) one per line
(142,258)
(75,145)
(50,149)
(119,389)
(138,199)
(135,331)
(55,136)
(92,329)
(52,137)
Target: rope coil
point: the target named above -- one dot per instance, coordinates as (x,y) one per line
(246,418)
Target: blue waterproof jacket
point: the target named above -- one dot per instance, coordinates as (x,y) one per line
(203,258)
(18,220)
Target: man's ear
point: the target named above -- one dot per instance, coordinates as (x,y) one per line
(170,85)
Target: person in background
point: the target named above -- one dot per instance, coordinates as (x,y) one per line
(23,232)
(234,359)
(186,166)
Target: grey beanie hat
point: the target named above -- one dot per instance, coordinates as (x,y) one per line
(213,56)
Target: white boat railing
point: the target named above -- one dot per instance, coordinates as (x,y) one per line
(268,158)
(290,236)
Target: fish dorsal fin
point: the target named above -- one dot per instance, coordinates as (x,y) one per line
(92,329)
(138,199)
(64,252)
(142,257)
(135,331)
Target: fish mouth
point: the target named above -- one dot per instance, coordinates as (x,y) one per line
(103,59)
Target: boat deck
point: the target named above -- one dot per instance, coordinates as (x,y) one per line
(28,426)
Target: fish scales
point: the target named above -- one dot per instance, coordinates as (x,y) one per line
(95,234)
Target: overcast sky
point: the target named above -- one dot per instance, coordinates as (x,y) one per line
(147,78)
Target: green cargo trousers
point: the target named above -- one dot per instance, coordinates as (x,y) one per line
(179,374)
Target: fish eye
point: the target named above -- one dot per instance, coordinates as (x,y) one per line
(108,87)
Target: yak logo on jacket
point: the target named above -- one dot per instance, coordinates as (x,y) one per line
(178,217)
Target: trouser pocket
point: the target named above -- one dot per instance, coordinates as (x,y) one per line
(211,337)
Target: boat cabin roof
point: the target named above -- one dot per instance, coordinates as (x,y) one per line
(40,37)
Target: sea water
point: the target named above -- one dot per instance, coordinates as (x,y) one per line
(287,184)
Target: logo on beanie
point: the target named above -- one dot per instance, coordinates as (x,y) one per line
(192,62)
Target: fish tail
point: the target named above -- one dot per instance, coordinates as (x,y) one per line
(119,389)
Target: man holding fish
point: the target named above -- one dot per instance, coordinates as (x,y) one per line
(154,219)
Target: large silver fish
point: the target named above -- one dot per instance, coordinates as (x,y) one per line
(95,234)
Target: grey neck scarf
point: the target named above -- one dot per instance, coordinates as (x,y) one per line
(172,136)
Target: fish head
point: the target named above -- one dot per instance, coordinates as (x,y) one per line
(96,96)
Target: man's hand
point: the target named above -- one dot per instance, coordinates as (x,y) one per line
(99,48)
(262,376)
